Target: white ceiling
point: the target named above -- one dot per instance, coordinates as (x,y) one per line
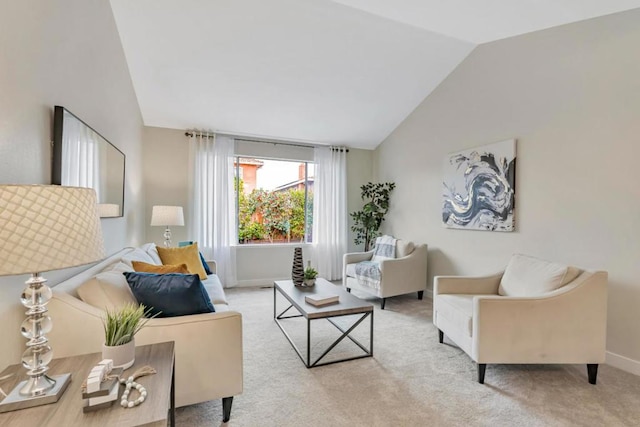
(488,20)
(333,72)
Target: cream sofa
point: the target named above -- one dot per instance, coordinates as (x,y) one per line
(405,274)
(534,312)
(208,347)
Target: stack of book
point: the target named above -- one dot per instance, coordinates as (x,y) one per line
(318,300)
(102,386)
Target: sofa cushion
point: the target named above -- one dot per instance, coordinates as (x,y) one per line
(185,255)
(213,286)
(204,263)
(169,295)
(404,248)
(138,254)
(151,250)
(119,266)
(458,309)
(527,276)
(107,291)
(143,267)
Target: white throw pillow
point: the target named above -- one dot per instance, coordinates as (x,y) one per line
(138,254)
(120,267)
(526,276)
(108,290)
(151,250)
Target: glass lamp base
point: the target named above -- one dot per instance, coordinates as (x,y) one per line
(15,400)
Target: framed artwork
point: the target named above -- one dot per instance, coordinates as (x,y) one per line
(479,188)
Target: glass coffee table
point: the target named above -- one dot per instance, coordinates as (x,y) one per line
(348,305)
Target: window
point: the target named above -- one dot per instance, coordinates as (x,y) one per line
(274,200)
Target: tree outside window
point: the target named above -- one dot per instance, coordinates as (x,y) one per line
(274,201)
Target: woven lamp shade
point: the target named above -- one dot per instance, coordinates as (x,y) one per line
(167,215)
(48,227)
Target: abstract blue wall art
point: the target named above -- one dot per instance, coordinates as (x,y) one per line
(479,188)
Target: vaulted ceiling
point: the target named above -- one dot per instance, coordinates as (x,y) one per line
(333,72)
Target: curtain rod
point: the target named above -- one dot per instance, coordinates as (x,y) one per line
(264,141)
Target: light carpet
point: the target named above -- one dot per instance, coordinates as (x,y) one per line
(412,380)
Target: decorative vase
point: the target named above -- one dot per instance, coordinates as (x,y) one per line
(123,356)
(297,271)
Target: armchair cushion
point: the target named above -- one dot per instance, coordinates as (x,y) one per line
(458,310)
(527,276)
(404,248)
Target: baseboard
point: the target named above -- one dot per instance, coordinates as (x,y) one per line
(257,282)
(622,362)
(429,293)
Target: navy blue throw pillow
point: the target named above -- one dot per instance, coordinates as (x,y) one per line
(204,263)
(170,294)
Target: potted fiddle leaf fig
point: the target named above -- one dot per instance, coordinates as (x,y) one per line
(120,328)
(367,222)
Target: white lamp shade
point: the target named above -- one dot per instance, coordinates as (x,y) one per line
(107,210)
(48,227)
(167,215)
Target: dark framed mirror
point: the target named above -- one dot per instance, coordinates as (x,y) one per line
(84,158)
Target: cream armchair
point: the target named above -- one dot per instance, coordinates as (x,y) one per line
(405,274)
(534,312)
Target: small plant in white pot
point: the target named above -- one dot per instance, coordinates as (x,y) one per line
(310,275)
(120,328)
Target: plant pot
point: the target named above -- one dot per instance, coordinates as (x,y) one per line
(309,282)
(123,356)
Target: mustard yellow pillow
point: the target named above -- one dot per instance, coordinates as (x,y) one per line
(185,255)
(145,267)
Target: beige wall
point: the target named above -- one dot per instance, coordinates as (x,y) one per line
(166,179)
(166,174)
(570,96)
(65,53)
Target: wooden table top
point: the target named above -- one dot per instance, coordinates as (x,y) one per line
(348,304)
(68,410)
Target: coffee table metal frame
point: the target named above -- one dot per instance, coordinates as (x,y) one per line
(327,312)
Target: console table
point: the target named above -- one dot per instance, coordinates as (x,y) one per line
(159,405)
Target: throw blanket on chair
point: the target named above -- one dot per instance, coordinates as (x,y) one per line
(385,248)
(368,272)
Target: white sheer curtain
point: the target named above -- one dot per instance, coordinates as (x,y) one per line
(212,201)
(80,155)
(330,211)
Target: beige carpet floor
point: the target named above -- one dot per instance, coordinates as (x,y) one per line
(412,380)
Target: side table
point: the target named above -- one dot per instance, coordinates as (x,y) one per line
(159,405)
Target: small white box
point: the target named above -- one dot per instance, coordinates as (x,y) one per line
(93,383)
(108,364)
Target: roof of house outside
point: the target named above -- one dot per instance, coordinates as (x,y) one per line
(293,184)
(250,161)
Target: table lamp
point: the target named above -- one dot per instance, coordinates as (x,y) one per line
(167,216)
(43,228)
